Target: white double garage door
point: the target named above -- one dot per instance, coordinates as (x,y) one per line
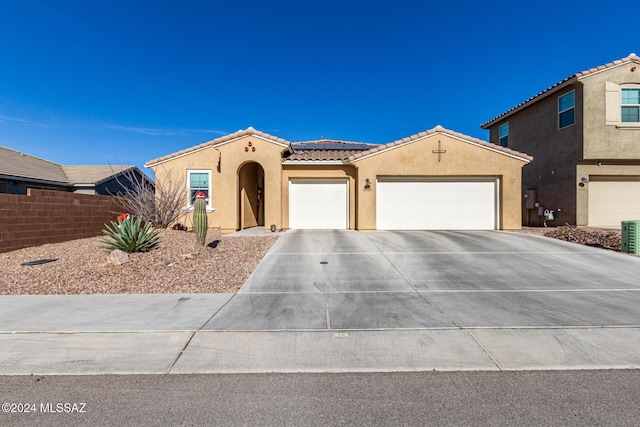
(401,204)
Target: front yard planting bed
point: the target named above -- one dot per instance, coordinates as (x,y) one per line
(179,265)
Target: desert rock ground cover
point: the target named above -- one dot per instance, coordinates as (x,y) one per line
(179,265)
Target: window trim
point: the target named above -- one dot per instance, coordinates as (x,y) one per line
(188,185)
(622,105)
(573,107)
(501,137)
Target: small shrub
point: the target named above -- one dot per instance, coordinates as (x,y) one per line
(600,239)
(129,236)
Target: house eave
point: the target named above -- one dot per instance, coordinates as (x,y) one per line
(154,163)
(529,102)
(315,162)
(484,145)
(35,180)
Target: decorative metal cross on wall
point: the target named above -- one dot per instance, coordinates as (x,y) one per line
(439,151)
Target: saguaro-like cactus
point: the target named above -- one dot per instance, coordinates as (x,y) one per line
(200,221)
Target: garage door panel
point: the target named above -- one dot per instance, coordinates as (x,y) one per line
(611,202)
(436,205)
(318,204)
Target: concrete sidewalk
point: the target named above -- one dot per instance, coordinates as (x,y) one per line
(159,334)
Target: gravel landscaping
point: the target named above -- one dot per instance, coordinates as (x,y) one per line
(179,265)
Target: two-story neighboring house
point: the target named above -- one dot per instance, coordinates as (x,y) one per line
(584,134)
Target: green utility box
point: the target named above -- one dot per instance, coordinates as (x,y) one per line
(631,237)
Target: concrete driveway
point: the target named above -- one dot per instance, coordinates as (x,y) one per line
(348,280)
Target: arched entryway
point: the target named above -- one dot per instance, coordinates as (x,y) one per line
(251,195)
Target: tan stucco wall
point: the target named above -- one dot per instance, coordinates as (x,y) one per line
(224,162)
(318,172)
(589,171)
(461,159)
(556,152)
(603,141)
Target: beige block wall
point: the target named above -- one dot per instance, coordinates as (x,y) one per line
(315,171)
(461,159)
(46,216)
(224,162)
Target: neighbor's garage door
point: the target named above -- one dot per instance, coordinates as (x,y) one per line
(613,201)
(318,204)
(436,205)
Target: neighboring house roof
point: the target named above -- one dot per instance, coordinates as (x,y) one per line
(16,164)
(440,130)
(569,80)
(219,141)
(94,175)
(325,150)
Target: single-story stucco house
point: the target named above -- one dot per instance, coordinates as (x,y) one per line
(437,179)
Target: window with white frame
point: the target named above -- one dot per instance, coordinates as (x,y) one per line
(503,132)
(198,181)
(566,109)
(630,105)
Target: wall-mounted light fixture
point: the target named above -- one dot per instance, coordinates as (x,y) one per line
(367,184)
(584,180)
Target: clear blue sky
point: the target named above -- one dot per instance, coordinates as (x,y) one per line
(111,81)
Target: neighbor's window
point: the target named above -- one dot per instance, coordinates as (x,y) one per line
(566,109)
(504,134)
(198,180)
(630,105)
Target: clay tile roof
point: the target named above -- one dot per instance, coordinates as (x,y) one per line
(217,141)
(15,163)
(325,150)
(631,58)
(440,129)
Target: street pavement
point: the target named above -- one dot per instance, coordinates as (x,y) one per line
(514,398)
(347,301)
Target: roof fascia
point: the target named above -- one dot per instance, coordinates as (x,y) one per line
(570,80)
(486,147)
(283,145)
(35,180)
(120,173)
(530,102)
(315,162)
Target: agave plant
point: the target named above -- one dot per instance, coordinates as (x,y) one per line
(129,236)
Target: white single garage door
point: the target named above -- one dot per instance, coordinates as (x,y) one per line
(612,201)
(318,204)
(465,204)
